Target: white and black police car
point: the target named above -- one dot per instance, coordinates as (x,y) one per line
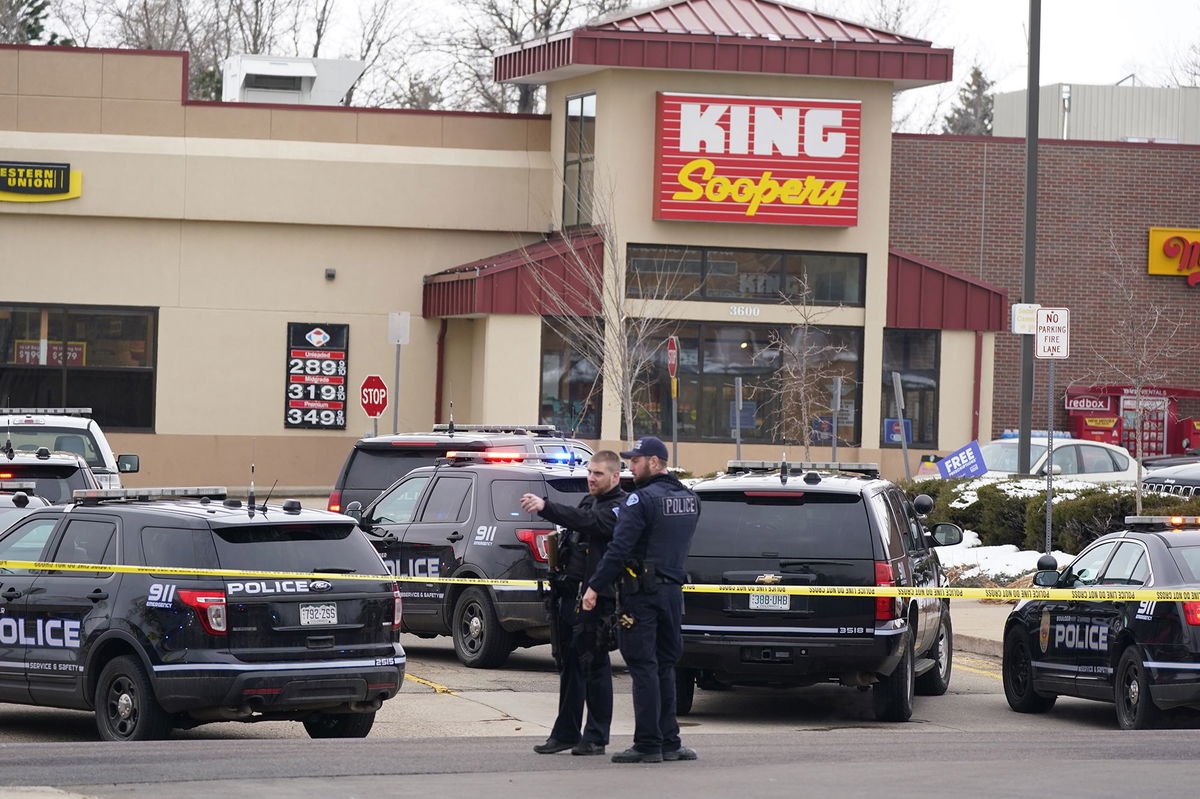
(1144,656)
(150,651)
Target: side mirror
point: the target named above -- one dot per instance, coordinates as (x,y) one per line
(946,534)
(354,510)
(1046,578)
(1055,470)
(924,504)
(128,464)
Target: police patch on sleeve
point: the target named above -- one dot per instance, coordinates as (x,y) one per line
(616,510)
(633,499)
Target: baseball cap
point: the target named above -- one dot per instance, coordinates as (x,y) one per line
(648,445)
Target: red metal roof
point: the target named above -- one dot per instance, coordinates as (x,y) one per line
(518,281)
(923,296)
(756,36)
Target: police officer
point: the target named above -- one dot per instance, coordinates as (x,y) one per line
(585,671)
(650,544)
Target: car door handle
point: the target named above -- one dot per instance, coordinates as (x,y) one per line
(98,595)
(11,594)
(455,536)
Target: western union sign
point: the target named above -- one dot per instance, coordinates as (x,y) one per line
(23,182)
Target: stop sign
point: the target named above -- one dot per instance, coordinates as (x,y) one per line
(373,394)
(673,355)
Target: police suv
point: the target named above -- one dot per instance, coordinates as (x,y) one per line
(148,650)
(463,518)
(1143,656)
(70,430)
(813,524)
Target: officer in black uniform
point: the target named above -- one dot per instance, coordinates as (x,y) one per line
(650,544)
(585,671)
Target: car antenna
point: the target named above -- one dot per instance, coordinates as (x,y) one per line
(250,497)
(263,507)
(783,470)
(450,429)
(7,449)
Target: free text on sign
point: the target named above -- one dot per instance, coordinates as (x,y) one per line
(757,159)
(1053,337)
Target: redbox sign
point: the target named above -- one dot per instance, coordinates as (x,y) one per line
(1086,402)
(757,159)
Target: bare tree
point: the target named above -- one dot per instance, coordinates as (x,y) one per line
(1185,71)
(489,26)
(613,315)
(1150,340)
(384,42)
(806,364)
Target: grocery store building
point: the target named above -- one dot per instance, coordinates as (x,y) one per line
(217,279)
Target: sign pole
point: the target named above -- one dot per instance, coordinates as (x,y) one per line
(837,408)
(1049,452)
(1052,340)
(737,417)
(399,324)
(396,405)
(900,413)
(675,420)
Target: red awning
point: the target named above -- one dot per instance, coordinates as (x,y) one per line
(543,278)
(750,36)
(923,296)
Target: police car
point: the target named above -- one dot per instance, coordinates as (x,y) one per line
(18,499)
(149,651)
(70,430)
(1144,656)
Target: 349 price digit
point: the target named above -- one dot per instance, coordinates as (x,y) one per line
(297,416)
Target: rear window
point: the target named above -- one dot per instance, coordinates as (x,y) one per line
(797,524)
(332,548)
(506,499)
(377,469)
(54,483)
(567,490)
(178,548)
(1188,561)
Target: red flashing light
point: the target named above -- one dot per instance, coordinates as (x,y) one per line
(1191,612)
(887,608)
(6,475)
(335,502)
(497,455)
(209,607)
(538,541)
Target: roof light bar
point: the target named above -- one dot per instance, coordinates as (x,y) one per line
(17,485)
(496,428)
(1169,521)
(102,494)
(871,469)
(45,411)
(496,456)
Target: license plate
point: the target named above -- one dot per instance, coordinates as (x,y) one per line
(770,601)
(324,613)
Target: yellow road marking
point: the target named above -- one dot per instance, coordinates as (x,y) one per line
(437,687)
(985,672)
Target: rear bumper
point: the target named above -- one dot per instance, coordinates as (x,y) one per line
(280,687)
(741,655)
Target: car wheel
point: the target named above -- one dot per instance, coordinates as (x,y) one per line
(1017,671)
(479,640)
(126,709)
(893,694)
(685,690)
(339,725)
(1135,708)
(936,681)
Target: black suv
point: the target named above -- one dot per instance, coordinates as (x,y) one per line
(463,519)
(811,524)
(375,463)
(147,651)
(1181,480)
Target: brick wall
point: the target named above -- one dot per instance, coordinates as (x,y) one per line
(959,202)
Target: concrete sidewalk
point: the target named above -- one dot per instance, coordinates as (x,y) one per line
(979,626)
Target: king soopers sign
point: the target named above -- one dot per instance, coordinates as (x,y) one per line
(757,159)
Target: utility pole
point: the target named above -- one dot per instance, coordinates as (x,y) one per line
(1031,165)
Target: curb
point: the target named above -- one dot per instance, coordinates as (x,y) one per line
(978,646)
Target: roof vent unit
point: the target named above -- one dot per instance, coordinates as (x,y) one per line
(288,81)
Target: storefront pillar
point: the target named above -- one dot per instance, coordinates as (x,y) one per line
(508,378)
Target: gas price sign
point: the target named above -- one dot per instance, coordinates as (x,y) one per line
(317,366)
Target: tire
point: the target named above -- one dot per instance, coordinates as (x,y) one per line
(126,709)
(685,691)
(339,725)
(479,640)
(936,681)
(1018,676)
(893,694)
(1131,692)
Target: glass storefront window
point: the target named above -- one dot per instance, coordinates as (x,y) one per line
(80,356)
(579,155)
(916,355)
(744,275)
(713,354)
(571,388)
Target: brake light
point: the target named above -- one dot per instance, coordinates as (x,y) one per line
(335,501)
(538,541)
(887,608)
(1191,612)
(397,606)
(209,606)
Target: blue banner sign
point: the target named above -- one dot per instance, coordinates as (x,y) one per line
(965,462)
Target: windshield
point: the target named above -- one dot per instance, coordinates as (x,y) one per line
(1001,456)
(56,439)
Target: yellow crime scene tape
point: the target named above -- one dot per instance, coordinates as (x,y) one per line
(1092,594)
